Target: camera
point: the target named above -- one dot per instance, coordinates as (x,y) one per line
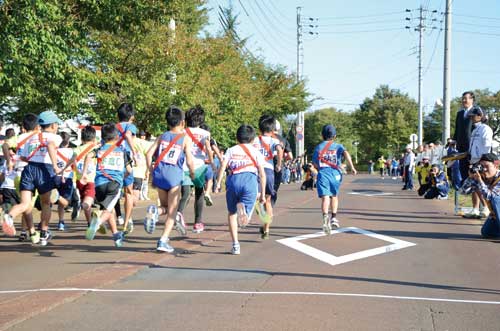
(478,167)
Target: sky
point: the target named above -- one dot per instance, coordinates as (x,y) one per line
(361,44)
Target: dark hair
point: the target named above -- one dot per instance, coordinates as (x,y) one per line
(267,123)
(65,139)
(125,112)
(9,133)
(45,126)
(245,134)
(471,94)
(109,132)
(30,122)
(195,116)
(205,126)
(174,116)
(88,134)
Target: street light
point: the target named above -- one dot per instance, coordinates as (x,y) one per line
(356,143)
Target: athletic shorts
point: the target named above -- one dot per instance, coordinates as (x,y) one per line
(269,182)
(65,189)
(108,194)
(137,186)
(328,183)
(242,188)
(87,190)
(128,180)
(10,196)
(209,175)
(39,177)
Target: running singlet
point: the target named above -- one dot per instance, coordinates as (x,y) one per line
(122,128)
(175,154)
(267,146)
(199,137)
(238,161)
(328,158)
(64,155)
(35,149)
(81,153)
(110,165)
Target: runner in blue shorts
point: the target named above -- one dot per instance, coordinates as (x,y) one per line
(245,162)
(171,150)
(327,158)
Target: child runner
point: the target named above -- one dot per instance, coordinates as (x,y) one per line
(15,165)
(245,163)
(171,150)
(85,170)
(268,145)
(64,183)
(40,151)
(327,158)
(199,149)
(211,168)
(127,132)
(140,168)
(113,164)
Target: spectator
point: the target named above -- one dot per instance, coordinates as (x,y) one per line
(463,130)
(437,185)
(423,171)
(453,166)
(394,168)
(370,167)
(409,163)
(381,165)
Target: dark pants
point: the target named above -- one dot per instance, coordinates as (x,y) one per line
(464,168)
(278,177)
(199,198)
(408,178)
(491,228)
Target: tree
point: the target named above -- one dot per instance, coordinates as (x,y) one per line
(385,122)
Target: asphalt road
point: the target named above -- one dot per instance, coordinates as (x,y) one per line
(397,263)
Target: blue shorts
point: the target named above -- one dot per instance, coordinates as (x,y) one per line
(167,176)
(65,189)
(37,176)
(242,188)
(209,175)
(269,182)
(328,183)
(128,180)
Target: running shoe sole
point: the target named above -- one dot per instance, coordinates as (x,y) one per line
(93,227)
(179,225)
(242,215)
(8,227)
(327,228)
(208,201)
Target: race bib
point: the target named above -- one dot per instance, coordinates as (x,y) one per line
(173,155)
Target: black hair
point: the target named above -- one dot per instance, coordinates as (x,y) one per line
(9,133)
(471,94)
(205,126)
(65,139)
(174,116)
(195,116)
(45,126)
(88,134)
(30,122)
(109,132)
(245,134)
(125,112)
(267,123)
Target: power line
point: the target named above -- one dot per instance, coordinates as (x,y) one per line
(358,31)
(274,28)
(478,33)
(478,25)
(359,23)
(481,17)
(279,11)
(278,20)
(361,16)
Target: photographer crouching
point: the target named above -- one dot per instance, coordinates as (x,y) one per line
(436,186)
(486,182)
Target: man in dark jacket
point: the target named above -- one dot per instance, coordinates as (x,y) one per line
(463,129)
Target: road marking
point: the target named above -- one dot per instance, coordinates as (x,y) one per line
(371,194)
(331,259)
(291,293)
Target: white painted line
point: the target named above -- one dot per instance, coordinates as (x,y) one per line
(328,294)
(371,194)
(331,259)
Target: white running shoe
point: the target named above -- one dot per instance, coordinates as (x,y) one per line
(236,250)
(242,215)
(335,224)
(151,219)
(327,228)
(180,225)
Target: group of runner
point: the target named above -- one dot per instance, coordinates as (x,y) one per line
(40,164)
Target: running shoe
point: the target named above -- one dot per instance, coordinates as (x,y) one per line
(8,226)
(327,228)
(102,229)
(75,214)
(94,225)
(484,213)
(45,237)
(180,225)
(35,238)
(130,227)
(208,200)
(474,214)
(265,235)
(23,236)
(118,239)
(120,220)
(54,196)
(334,223)
(151,219)
(236,249)
(198,227)
(242,216)
(60,226)
(164,246)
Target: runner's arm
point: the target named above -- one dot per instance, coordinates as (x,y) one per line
(208,148)
(6,154)
(150,153)
(262,175)
(349,162)
(52,150)
(220,174)
(279,148)
(189,157)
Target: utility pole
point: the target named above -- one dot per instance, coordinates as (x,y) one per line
(447,73)
(299,132)
(420,80)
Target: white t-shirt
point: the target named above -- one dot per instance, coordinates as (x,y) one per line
(239,161)
(64,155)
(267,148)
(10,176)
(199,154)
(40,155)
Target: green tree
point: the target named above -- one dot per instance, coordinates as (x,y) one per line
(385,122)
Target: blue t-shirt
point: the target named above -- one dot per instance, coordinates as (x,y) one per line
(112,167)
(123,127)
(331,158)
